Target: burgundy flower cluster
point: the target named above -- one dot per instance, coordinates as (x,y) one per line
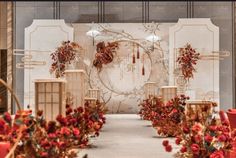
(209,140)
(188,57)
(105,54)
(9,128)
(150,108)
(53,139)
(165,118)
(86,121)
(63,55)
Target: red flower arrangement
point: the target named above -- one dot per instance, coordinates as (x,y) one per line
(188,57)
(62,56)
(166,119)
(209,140)
(104,54)
(150,107)
(38,138)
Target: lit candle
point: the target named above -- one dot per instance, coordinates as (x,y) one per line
(4,149)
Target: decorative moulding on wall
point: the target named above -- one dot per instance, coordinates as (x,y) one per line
(43,36)
(204,37)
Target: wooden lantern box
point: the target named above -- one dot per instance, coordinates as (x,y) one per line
(50,97)
(90,100)
(199,110)
(94,93)
(75,87)
(168,92)
(92,96)
(149,89)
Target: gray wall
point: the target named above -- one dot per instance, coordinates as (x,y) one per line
(221,13)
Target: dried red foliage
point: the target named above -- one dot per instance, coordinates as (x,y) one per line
(105,54)
(62,56)
(53,139)
(165,118)
(187,59)
(211,139)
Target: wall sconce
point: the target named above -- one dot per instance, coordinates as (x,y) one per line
(93,32)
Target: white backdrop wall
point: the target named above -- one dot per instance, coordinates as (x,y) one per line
(221,14)
(117,80)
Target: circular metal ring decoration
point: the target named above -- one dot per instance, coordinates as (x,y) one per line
(130,69)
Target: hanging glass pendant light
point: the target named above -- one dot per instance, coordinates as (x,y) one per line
(153,38)
(93,32)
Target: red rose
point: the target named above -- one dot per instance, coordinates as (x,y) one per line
(61,144)
(86,116)
(225,122)
(208,138)
(197,138)
(61,120)
(233,133)
(73,121)
(7,129)
(155,122)
(186,130)
(174,111)
(222,138)
(59,117)
(67,106)
(65,131)
(178,140)
(2,123)
(213,128)
(80,109)
(195,148)
(183,149)
(7,117)
(52,135)
(165,143)
(90,123)
(69,111)
(196,128)
(169,103)
(168,148)
(43,155)
(153,113)
(217,154)
(97,126)
(76,132)
(45,144)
